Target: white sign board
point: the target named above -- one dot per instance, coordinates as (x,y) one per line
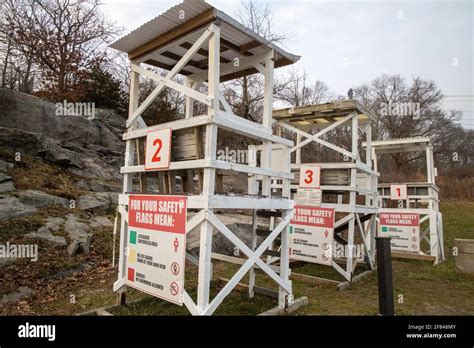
(310,176)
(158,149)
(308,196)
(398,192)
(312,234)
(403,228)
(156,246)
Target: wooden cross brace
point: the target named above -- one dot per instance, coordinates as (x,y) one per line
(254,258)
(316,137)
(168,82)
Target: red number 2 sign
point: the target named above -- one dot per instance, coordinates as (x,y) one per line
(159,144)
(158,149)
(309,176)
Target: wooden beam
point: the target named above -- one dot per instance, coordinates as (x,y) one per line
(166,82)
(177,57)
(205,53)
(318,140)
(248,128)
(167,66)
(194,121)
(313,280)
(202,163)
(229,68)
(238,74)
(194,23)
(404,255)
(235,48)
(325,130)
(248,46)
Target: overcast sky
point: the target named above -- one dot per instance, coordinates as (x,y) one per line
(347,43)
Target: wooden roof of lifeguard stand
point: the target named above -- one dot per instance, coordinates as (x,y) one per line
(164,40)
(320,116)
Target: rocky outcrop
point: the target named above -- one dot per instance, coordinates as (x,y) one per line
(100,221)
(89,148)
(40,199)
(98,201)
(5,166)
(11,207)
(79,235)
(28,113)
(20,294)
(240,225)
(46,232)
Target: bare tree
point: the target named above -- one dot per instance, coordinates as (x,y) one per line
(260,20)
(298,92)
(389,95)
(63,36)
(245,95)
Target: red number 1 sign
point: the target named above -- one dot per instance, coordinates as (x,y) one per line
(309,176)
(158,149)
(398,192)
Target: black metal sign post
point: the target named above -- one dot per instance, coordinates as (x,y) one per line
(385,279)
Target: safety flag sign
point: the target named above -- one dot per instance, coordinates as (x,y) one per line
(156,246)
(312,234)
(403,228)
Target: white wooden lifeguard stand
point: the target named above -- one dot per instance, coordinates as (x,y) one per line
(207,46)
(348,186)
(422,197)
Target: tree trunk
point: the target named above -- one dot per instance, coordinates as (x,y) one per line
(25,84)
(5,63)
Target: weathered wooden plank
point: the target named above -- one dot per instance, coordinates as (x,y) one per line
(194,23)
(403,255)
(268,213)
(313,280)
(273,253)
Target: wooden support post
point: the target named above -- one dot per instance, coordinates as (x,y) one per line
(267,121)
(161,182)
(253,247)
(205,252)
(188,183)
(428,165)
(140,149)
(299,137)
(433,168)
(171,182)
(370,200)
(283,297)
(127,185)
(352,199)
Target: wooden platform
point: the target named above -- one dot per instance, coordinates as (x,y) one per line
(323,115)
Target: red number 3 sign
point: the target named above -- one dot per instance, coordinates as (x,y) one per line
(309,176)
(158,149)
